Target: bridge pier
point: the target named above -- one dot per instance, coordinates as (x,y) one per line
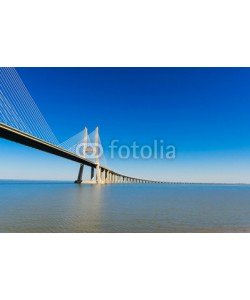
(101,175)
(92,175)
(98,174)
(79,178)
(106,176)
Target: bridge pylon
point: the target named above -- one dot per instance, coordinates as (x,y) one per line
(98,170)
(84,146)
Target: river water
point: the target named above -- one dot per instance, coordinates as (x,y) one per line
(67,207)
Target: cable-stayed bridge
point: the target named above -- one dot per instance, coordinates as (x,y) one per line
(22,122)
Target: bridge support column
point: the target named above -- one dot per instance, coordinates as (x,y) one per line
(79,178)
(101,175)
(98,174)
(106,176)
(92,175)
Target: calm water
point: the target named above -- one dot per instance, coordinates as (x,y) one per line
(66,207)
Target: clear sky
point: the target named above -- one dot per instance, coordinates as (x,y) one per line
(203,112)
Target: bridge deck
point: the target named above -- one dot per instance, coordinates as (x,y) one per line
(20,137)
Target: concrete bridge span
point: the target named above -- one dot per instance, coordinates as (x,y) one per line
(99,174)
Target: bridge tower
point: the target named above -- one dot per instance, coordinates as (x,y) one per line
(98,171)
(84,146)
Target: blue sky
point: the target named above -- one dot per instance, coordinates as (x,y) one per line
(204,112)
